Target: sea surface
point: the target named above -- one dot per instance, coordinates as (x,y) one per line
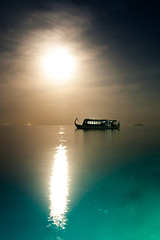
(58,183)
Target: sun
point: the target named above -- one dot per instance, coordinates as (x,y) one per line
(59,64)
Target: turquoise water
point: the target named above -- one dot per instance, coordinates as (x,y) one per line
(66,184)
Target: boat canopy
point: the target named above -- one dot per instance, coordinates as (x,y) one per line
(97,121)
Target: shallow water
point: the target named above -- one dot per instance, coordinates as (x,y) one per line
(63,184)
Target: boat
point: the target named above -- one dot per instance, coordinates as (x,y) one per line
(97,124)
(138,124)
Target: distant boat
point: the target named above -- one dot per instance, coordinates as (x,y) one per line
(97,124)
(138,124)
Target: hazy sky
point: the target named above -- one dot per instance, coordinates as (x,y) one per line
(116,47)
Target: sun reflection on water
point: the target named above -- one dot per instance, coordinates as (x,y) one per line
(59,189)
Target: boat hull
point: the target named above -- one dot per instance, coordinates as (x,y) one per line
(96,127)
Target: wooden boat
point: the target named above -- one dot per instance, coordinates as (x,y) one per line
(97,124)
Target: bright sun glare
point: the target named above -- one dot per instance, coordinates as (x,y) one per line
(59,64)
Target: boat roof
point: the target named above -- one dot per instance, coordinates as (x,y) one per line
(101,120)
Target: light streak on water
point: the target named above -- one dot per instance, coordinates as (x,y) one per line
(59,189)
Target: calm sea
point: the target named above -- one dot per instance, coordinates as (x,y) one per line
(58,183)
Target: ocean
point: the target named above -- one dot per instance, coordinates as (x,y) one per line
(58,183)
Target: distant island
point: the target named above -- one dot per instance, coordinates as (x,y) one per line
(138,124)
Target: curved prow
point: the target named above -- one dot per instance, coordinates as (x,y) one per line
(75,121)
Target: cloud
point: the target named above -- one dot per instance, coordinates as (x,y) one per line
(38,32)
(110,70)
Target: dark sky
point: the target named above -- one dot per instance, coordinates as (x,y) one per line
(117,47)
